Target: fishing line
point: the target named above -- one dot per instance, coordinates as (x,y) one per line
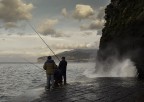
(34,65)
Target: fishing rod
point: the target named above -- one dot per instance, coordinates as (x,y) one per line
(43,40)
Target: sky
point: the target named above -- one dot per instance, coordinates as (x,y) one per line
(63,24)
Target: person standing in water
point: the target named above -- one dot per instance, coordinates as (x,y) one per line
(63,68)
(50,67)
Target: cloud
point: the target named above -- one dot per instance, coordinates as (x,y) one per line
(88,33)
(47,28)
(73,46)
(97,22)
(101,13)
(95,25)
(99,32)
(64,12)
(83,12)
(32,46)
(13,11)
(9,25)
(92,45)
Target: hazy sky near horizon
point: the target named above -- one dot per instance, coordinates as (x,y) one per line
(64,24)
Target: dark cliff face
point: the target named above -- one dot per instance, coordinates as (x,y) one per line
(123,35)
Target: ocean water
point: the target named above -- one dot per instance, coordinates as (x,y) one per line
(15,79)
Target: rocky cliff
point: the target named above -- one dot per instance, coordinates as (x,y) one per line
(123,34)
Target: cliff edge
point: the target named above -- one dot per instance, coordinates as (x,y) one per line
(123,34)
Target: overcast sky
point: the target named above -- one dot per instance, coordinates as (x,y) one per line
(64,24)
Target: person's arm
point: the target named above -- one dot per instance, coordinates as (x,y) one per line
(60,65)
(66,63)
(44,66)
(55,66)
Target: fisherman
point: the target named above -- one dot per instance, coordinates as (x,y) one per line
(50,67)
(58,78)
(63,68)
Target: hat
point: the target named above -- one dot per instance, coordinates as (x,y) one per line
(49,57)
(63,57)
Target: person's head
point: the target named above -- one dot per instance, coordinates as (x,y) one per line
(49,58)
(63,58)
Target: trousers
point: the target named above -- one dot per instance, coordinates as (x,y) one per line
(50,81)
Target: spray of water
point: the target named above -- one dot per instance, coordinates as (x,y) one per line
(116,68)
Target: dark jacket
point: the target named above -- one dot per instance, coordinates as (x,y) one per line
(57,75)
(50,66)
(63,66)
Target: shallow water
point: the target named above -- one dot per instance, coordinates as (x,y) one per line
(15,79)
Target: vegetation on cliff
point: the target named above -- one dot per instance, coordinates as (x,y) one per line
(123,34)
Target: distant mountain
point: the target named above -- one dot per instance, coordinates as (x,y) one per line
(76,55)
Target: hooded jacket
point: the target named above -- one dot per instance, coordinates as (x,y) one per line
(50,67)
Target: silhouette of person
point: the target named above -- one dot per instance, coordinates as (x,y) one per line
(58,78)
(50,67)
(63,68)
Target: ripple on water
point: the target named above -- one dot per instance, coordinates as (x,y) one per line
(17,78)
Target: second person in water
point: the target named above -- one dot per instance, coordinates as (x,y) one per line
(63,68)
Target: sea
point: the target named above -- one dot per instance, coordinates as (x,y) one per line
(15,79)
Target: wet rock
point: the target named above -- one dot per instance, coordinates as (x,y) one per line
(96,90)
